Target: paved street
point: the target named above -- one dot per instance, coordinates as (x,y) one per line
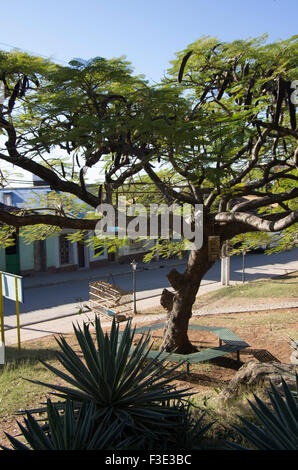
(51,296)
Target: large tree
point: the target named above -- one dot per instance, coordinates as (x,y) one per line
(219,130)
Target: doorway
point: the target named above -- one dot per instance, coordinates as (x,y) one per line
(81,255)
(40,255)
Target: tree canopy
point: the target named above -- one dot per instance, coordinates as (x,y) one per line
(222,122)
(218,130)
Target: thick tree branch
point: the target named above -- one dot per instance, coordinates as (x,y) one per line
(251,163)
(239,178)
(282,131)
(167,299)
(265,201)
(12,137)
(52,179)
(19,221)
(18,217)
(168,192)
(252,222)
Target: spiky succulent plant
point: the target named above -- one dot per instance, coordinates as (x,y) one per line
(116,375)
(67,430)
(278,428)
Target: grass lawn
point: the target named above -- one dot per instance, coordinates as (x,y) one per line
(279,287)
(16,392)
(264,291)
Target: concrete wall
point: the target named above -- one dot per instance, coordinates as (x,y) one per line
(26,255)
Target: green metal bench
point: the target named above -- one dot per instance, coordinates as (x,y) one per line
(229,343)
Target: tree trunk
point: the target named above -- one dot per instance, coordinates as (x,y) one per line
(179,304)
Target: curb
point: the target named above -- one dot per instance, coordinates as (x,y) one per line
(245,309)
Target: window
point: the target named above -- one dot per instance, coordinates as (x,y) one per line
(7,199)
(64,249)
(99,250)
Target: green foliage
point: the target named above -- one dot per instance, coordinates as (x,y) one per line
(269,242)
(85,104)
(100,243)
(6,236)
(186,432)
(279,423)
(231,86)
(166,248)
(198,128)
(67,430)
(32,233)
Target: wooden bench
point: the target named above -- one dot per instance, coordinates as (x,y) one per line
(110,314)
(229,343)
(107,312)
(110,301)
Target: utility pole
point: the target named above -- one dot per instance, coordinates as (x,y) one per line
(225,264)
(134,271)
(243,266)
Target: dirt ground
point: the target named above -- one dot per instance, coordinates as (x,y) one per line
(267,333)
(268,342)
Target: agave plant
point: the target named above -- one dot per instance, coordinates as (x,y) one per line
(189,434)
(279,425)
(120,380)
(67,431)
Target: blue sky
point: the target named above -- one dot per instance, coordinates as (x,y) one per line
(147,32)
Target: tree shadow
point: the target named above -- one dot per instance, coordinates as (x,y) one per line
(262,355)
(227,362)
(31,355)
(203,379)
